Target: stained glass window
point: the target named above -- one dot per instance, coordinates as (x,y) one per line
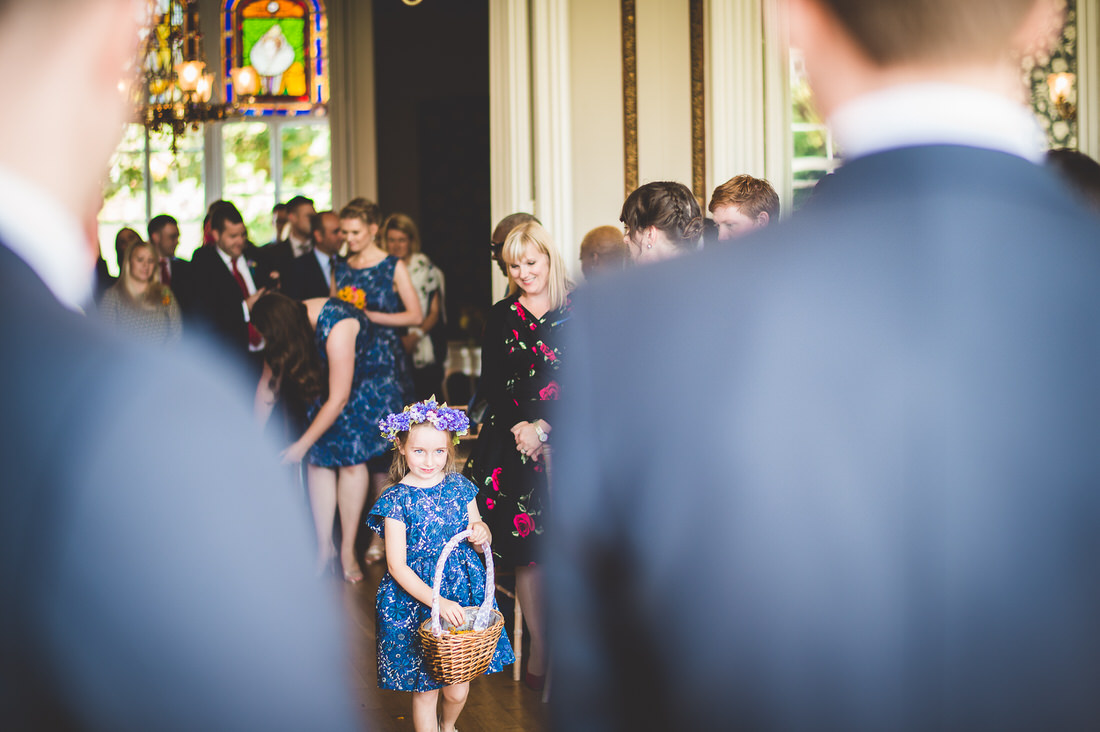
(285,43)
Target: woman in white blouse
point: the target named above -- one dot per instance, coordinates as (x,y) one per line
(423,342)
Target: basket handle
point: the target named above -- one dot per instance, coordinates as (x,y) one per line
(485,612)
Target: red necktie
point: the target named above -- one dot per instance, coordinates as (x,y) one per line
(254,337)
(165,273)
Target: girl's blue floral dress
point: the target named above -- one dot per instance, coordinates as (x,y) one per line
(353,438)
(386,350)
(431,517)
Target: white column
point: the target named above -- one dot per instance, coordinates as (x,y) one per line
(734,90)
(777,103)
(553,149)
(1088,77)
(511,186)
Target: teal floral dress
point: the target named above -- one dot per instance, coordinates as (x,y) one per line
(520,360)
(431,517)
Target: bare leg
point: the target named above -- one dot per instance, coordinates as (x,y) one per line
(529,594)
(424,703)
(351,495)
(377,544)
(454,698)
(322,501)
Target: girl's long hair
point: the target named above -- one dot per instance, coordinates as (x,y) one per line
(289,347)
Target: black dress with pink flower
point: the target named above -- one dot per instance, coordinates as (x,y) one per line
(520,360)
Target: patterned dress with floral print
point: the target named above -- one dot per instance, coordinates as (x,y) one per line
(520,360)
(431,517)
(380,296)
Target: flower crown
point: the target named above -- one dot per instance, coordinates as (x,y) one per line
(438,415)
(353,295)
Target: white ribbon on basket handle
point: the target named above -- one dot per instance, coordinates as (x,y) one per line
(485,612)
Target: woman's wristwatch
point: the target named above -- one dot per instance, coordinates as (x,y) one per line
(543,437)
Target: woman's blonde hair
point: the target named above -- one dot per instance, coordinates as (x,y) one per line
(155,291)
(404,224)
(558,284)
(399,468)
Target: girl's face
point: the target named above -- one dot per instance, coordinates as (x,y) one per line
(397,243)
(142,263)
(358,234)
(531,271)
(426,451)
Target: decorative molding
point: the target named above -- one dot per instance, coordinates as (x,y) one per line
(511,167)
(553,149)
(629,24)
(698,102)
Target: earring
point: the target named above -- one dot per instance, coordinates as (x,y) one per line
(648,246)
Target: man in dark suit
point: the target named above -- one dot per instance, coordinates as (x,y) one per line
(223,287)
(311,274)
(164,235)
(141,591)
(275,260)
(846,474)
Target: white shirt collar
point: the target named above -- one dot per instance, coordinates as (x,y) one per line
(936,113)
(299,246)
(48,238)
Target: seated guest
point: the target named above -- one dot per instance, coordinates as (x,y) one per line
(311,275)
(139,303)
(603,250)
(223,288)
(423,343)
(164,236)
(1080,172)
(275,259)
(743,204)
(662,220)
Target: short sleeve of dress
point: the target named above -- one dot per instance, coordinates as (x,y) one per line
(465,491)
(391,504)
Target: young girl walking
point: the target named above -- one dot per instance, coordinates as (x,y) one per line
(427,503)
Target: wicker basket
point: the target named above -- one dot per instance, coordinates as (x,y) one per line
(453,658)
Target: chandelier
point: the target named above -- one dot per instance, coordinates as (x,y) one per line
(174,88)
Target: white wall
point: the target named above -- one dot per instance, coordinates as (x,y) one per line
(597,118)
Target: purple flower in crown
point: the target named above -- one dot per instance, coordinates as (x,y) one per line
(437,415)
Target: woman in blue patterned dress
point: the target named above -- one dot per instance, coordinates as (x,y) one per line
(380,284)
(302,343)
(428,503)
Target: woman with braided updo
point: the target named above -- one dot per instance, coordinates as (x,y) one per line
(661,220)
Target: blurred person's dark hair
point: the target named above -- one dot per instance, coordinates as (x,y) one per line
(670,207)
(297,202)
(1080,172)
(222,213)
(289,347)
(158,222)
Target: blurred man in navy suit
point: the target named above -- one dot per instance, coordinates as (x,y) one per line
(141,591)
(846,474)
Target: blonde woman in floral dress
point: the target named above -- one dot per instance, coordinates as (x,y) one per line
(138,304)
(520,358)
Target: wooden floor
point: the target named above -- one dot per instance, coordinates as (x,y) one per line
(496,703)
